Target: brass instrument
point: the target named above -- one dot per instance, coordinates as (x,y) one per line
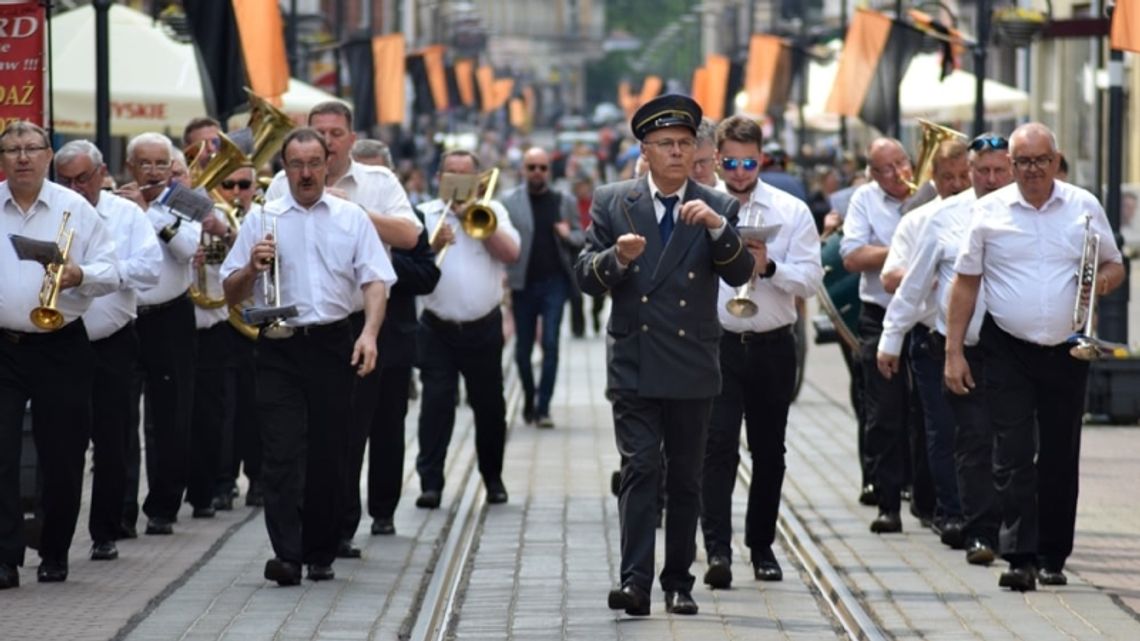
(1086,346)
(271,289)
(269,125)
(933,135)
(741,305)
(47,317)
(477,218)
(228,159)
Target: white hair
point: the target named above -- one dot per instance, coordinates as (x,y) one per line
(1036,128)
(150,138)
(76,149)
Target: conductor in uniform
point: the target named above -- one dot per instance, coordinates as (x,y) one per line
(659,245)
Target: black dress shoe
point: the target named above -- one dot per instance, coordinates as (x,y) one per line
(383,526)
(320,572)
(207,512)
(159,525)
(496,493)
(9,576)
(680,602)
(886,523)
(346,550)
(615,483)
(283,572)
(630,598)
(254,496)
(952,534)
(127,531)
(222,503)
(978,552)
(1049,576)
(719,574)
(429,499)
(54,571)
(528,414)
(104,551)
(1019,579)
(765,566)
(868,495)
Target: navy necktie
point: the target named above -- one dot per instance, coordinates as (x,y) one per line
(665,225)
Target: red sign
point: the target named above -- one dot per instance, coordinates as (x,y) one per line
(22,42)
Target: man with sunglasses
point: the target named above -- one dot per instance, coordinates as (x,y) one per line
(1026,239)
(659,245)
(959,451)
(549,239)
(756,353)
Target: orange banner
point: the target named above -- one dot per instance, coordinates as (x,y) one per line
(485,76)
(650,89)
(388,71)
(866,38)
(436,74)
(263,47)
(700,86)
(764,54)
(503,89)
(716,85)
(519,118)
(465,80)
(1125,33)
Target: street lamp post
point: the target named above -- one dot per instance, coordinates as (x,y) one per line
(980,66)
(102,78)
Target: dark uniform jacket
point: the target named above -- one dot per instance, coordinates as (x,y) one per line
(416,275)
(663,331)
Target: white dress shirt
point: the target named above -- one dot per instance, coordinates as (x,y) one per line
(140,263)
(930,274)
(471,279)
(901,254)
(177,256)
(92,248)
(659,207)
(207,318)
(1029,258)
(327,253)
(794,249)
(872,216)
(374,188)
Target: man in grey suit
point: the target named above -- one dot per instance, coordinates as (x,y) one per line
(659,244)
(549,238)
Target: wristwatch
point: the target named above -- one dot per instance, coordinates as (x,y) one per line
(770,270)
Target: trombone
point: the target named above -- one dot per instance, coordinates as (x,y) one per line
(47,317)
(477,218)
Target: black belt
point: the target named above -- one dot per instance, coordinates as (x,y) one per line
(431,319)
(1059,348)
(317,331)
(38,338)
(157,307)
(770,336)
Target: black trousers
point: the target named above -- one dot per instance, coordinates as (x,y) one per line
(55,372)
(444,351)
(1036,397)
(304,397)
(759,376)
(241,435)
(114,413)
(168,344)
(973,451)
(855,390)
(887,406)
(644,428)
(208,423)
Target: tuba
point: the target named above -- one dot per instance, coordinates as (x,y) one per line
(269,126)
(47,317)
(228,159)
(477,218)
(933,135)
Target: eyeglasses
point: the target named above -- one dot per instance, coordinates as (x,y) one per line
(701,163)
(81,179)
(731,164)
(300,165)
(1037,162)
(684,144)
(240,184)
(151,165)
(991,142)
(16,152)
(537,167)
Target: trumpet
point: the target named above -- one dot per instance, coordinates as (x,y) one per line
(47,317)
(271,290)
(477,218)
(1086,345)
(741,305)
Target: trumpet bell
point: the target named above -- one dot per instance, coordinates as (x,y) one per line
(46,318)
(741,307)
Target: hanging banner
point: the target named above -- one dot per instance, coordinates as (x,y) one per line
(22,44)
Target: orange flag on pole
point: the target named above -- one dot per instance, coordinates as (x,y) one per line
(263,47)
(465,81)
(388,72)
(1125,34)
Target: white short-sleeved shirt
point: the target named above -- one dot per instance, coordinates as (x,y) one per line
(140,265)
(872,216)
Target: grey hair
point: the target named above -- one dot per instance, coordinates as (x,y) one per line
(76,149)
(23,128)
(368,149)
(150,138)
(176,156)
(1036,128)
(706,132)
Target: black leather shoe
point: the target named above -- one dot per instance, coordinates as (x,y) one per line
(104,551)
(52,571)
(346,550)
(207,512)
(320,572)
(9,576)
(680,602)
(765,566)
(254,497)
(886,523)
(496,493)
(1019,579)
(383,526)
(429,499)
(159,525)
(127,531)
(528,414)
(952,534)
(615,483)
(283,572)
(221,503)
(1048,576)
(630,598)
(868,495)
(978,552)
(719,574)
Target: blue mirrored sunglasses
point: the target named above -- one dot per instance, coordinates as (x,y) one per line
(730,164)
(991,142)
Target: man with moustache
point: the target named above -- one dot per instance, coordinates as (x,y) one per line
(872,216)
(168,345)
(549,239)
(110,323)
(1026,240)
(659,244)
(757,359)
(52,368)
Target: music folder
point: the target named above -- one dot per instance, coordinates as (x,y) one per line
(44,252)
(191,204)
(762,233)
